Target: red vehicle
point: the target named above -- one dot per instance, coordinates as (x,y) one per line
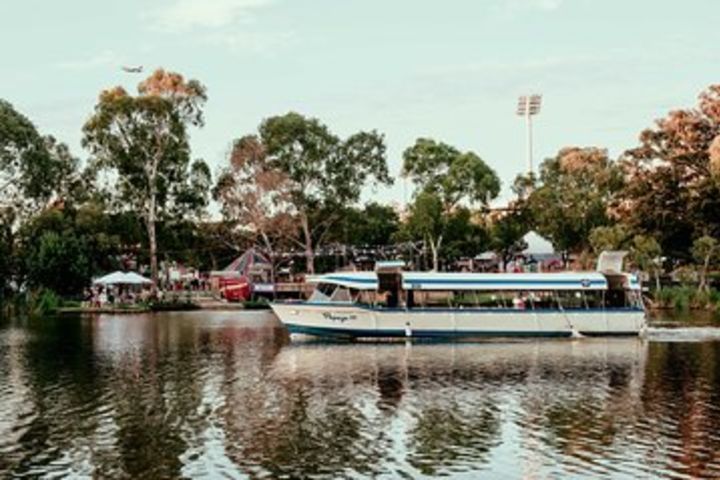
(235,289)
(235,283)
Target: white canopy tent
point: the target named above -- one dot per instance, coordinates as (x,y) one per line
(488,256)
(122,278)
(537,245)
(133,278)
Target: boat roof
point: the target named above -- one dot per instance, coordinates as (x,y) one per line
(357,280)
(479,281)
(505,281)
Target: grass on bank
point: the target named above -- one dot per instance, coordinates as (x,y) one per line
(45,302)
(685,298)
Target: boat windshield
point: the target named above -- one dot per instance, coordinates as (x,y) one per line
(329,292)
(341,294)
(323,292)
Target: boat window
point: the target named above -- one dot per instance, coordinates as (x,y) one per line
(365,297)
(503,299)
(484,299)
(540,300)
(341,294)
(327,289)
(461,299)
(323,292)
(634,298)
(571,299)
(615,298)
(388,299)
(594,298)
(489,299)
(432,299)
(464,299)
(530,300)
(622,298)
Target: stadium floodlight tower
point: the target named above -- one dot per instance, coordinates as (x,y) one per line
(529,106)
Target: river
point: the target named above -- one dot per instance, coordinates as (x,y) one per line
(226,394)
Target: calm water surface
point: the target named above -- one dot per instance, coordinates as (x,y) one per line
(226,395)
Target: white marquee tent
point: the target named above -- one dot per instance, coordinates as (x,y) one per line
(537,245)
(122,278)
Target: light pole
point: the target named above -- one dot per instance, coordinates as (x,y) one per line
(528,106)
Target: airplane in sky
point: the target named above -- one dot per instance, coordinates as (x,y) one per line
(137,69)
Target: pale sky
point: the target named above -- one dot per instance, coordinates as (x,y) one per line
(451,70)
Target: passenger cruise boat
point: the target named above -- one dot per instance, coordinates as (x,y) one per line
(392,303)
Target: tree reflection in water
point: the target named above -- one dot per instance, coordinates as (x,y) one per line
(448,435)
(208,395)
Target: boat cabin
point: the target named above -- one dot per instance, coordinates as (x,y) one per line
(390,288)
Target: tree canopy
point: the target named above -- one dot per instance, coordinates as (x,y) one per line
(439,168)
(144,140)
(321,169)
(445,178)
(33,168)
(672,190)
(572,196)
(256,197)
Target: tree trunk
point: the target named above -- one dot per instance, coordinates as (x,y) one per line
(435,247)
(151,218)
(507,256)
(309,253)
(703,274)
(153,253)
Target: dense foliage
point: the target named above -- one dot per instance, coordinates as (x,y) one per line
(572,195)
(292,190)
(672,188)
(445,178)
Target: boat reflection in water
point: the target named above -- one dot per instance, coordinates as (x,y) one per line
(523,409)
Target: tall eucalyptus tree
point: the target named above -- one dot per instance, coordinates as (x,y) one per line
(143,139)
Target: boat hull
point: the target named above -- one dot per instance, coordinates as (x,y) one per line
(351,321)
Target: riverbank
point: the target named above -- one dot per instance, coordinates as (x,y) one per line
(215,306)
(684,298)
(205,304)
(45,302)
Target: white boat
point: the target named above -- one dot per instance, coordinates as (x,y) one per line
(392,303)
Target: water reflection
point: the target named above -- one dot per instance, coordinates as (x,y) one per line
(550,401)
(192,395)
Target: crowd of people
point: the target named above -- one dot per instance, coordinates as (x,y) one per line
(102,296)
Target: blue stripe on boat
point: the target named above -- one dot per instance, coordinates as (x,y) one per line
(459,281)
(464,310)
(357,333)
(350,279)
(455,281)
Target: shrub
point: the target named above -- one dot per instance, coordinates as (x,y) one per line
(257,304)
(44,302)
(686,297)
(663,297)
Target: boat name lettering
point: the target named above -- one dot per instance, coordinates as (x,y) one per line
(339,317)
